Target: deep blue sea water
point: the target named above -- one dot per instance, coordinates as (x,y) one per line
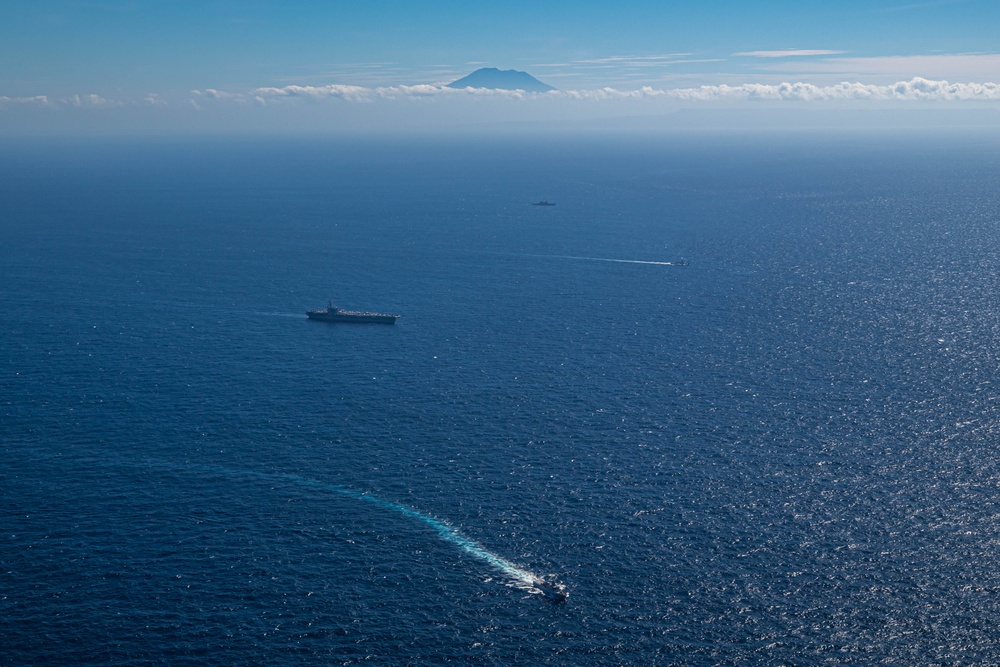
(784,452)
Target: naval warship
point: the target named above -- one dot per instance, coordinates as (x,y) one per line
(333,314)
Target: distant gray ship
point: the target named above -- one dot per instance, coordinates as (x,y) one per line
(333,314)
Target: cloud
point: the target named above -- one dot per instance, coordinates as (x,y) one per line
(788,53)
(668,57)
(36,101)
(350,93)
(602,94)
(625,63)
(213,94)
(77,101)
(913,89)
(90,101)
(363,94)
(916,89)
(908,91)
(424,90)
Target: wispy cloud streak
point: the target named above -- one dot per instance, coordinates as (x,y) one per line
(788,53)
(969,66)
(670,57)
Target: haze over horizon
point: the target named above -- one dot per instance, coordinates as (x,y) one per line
(133,67)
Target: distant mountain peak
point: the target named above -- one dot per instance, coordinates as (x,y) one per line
(501,79)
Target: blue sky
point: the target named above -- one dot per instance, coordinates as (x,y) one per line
(202,56)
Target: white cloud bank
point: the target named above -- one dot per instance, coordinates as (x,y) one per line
(36,101)
(440,105)
(85,101)
(916,89)
(362,94)
(91,102)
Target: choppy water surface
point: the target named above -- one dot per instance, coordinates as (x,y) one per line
(782,452)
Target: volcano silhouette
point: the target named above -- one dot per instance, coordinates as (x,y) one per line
(501,79)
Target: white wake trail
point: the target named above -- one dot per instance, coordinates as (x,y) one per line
(519,576)
(607,259)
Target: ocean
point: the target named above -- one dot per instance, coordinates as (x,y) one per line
(735,393)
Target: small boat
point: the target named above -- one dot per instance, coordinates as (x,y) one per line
(333,314)
(543,203)
(551,589)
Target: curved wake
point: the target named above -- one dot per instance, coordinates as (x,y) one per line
(519,577)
